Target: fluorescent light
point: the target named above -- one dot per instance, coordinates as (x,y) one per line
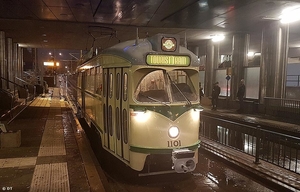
(250,54)
(86,67)
(216,38)
(290,14)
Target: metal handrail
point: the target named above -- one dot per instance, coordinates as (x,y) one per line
(27,83)
(23,81)
(259,141)
(14,83)
(282,107)
(11,103)
(12,96)
(297,80)
(280,99)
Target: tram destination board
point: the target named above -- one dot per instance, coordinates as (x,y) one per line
(168,60)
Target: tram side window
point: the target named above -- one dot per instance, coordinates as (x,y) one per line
(110,121)
(118,123)
(98,82)
(125,86)
(118,86)
(88,79)
(125,126)
(152,88)
(79,80)
(105,84)
(92,82)
(111,83)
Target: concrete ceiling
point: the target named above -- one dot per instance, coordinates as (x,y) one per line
(80,24)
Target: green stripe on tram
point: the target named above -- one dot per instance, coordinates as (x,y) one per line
(161,150)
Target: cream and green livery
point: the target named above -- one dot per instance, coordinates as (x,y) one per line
(141,98)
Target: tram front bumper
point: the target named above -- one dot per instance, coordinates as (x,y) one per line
(183,160)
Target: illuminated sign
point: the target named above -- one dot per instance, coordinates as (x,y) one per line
(171,60)
(51,63)
(168,44)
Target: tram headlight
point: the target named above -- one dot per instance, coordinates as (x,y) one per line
(195,113)
(173,132)
(140,115)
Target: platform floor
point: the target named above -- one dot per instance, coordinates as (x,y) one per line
(54,154)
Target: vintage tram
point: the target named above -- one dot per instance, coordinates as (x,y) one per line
(140,98)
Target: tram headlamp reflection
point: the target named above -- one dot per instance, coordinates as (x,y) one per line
(195,113)
(173,132)
(140,115)
(198,108)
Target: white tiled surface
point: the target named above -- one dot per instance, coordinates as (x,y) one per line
(50,177)
(23,162)
(53,176)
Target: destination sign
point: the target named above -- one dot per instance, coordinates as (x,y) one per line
(171,60)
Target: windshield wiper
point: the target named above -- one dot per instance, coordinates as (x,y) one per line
(153,99)
(187,100)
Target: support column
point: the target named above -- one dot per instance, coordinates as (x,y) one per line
(35,67)
(20,62)
(284,59)
(212,60)
(10,73)
(210,51)
(2,59)
(240,45)
(274,60)
(216,59)
(15,61)
(196,51)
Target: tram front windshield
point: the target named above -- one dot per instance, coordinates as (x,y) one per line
(163,86)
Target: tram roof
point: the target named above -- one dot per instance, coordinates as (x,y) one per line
(136,53)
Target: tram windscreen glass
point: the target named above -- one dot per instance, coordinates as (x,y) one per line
(182,88)
(162,86)
(168,60)
(152,88)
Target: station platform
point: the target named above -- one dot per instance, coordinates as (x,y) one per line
(54,154)
(284,179)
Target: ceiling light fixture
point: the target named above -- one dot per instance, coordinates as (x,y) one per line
(250,54)
(290,14)
(217,38)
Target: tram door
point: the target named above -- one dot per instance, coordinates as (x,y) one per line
(118,111)
(109,108)
(115,111)
(122,148)
(82,93)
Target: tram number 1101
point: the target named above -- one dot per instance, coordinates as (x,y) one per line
(174,143)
